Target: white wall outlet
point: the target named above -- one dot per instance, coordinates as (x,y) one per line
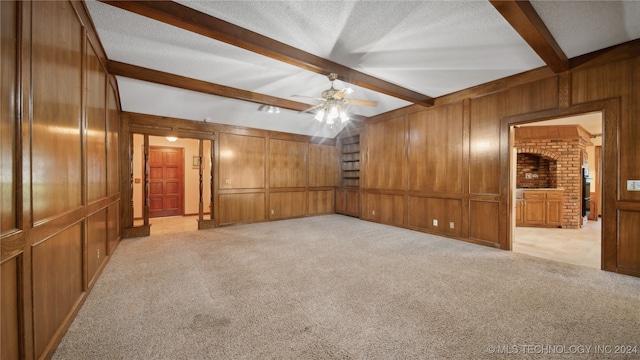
(451,225)
(373,212)
(633,185)
(98,253)
(435,222)
(273,211)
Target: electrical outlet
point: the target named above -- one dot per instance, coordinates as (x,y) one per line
(227,181)
(435,222)
(373,212)
(98,253)
(633,185)
(451,225)
(273,211)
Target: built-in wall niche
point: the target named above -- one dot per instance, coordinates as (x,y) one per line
(535,172)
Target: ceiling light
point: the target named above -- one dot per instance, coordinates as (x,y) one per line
(171,138)
(269,109)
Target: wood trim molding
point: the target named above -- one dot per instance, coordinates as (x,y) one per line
(192,20)
(526,21)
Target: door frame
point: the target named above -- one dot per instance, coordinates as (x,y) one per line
(610,110)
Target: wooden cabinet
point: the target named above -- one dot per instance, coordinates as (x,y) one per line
(348,202)
(539,208)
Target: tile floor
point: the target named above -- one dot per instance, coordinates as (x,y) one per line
(573,246)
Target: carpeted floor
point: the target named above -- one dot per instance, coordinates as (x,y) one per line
(335,287)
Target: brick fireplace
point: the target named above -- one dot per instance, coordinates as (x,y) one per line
(552,157)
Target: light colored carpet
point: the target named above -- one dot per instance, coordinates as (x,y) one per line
(335,287)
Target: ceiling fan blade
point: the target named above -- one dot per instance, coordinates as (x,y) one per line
(342,93)
(362,102)
(311,108)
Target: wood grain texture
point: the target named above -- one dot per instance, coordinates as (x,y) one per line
(57,92)
(323,167)
(96,249)
(287,164)
(57,283)
(436,149)
(384,208)
(113,147)
(321,202)
(242,208)
(113,226)
(8,116)
(10,330)
(386,164)
(483,221)
(242,162)
(423,211)
(288,204)
(629,245)
(95,135)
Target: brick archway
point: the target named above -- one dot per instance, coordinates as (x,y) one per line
(541,152)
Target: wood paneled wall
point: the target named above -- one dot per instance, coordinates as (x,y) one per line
(258,175)
(451,162)
(60,188)
(279,179)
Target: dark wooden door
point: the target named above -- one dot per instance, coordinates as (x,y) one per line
(166,181)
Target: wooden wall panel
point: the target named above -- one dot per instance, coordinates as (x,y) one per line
(96,252)
(242,162)
(287,163)
(436,149)
(242,208)
(323,165)
(57,283)
(57,38)
(386,160)
(321,202)
(486,112)
(484,221)
(113,226)
(628,241)
(96,142)
(9,313)
(113,131)
(384,208)
(8,115)
(423,211)
(287,204)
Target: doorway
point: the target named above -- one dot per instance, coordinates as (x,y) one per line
(570,236)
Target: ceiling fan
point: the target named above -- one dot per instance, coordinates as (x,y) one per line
(333,103)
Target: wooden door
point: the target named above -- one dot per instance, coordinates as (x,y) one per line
(166,181)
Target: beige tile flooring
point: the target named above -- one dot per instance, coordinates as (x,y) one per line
(573,246)
(171,224)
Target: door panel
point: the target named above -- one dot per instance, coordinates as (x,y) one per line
(166,181)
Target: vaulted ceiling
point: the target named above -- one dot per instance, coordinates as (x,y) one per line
(219,61)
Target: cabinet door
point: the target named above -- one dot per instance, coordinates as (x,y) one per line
(554,213)
(518,212)
(534,211)
(353,203)
(341,201)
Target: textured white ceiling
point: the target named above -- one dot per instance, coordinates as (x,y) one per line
(432,47)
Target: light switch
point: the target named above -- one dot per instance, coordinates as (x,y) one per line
(633,185)
(451,225)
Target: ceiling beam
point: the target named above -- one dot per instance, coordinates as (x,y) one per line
(526,21)
(182,82)
(192,20)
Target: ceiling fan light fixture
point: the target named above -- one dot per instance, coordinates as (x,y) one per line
(319,115)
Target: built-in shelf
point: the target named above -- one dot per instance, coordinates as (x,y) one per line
(350,161)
